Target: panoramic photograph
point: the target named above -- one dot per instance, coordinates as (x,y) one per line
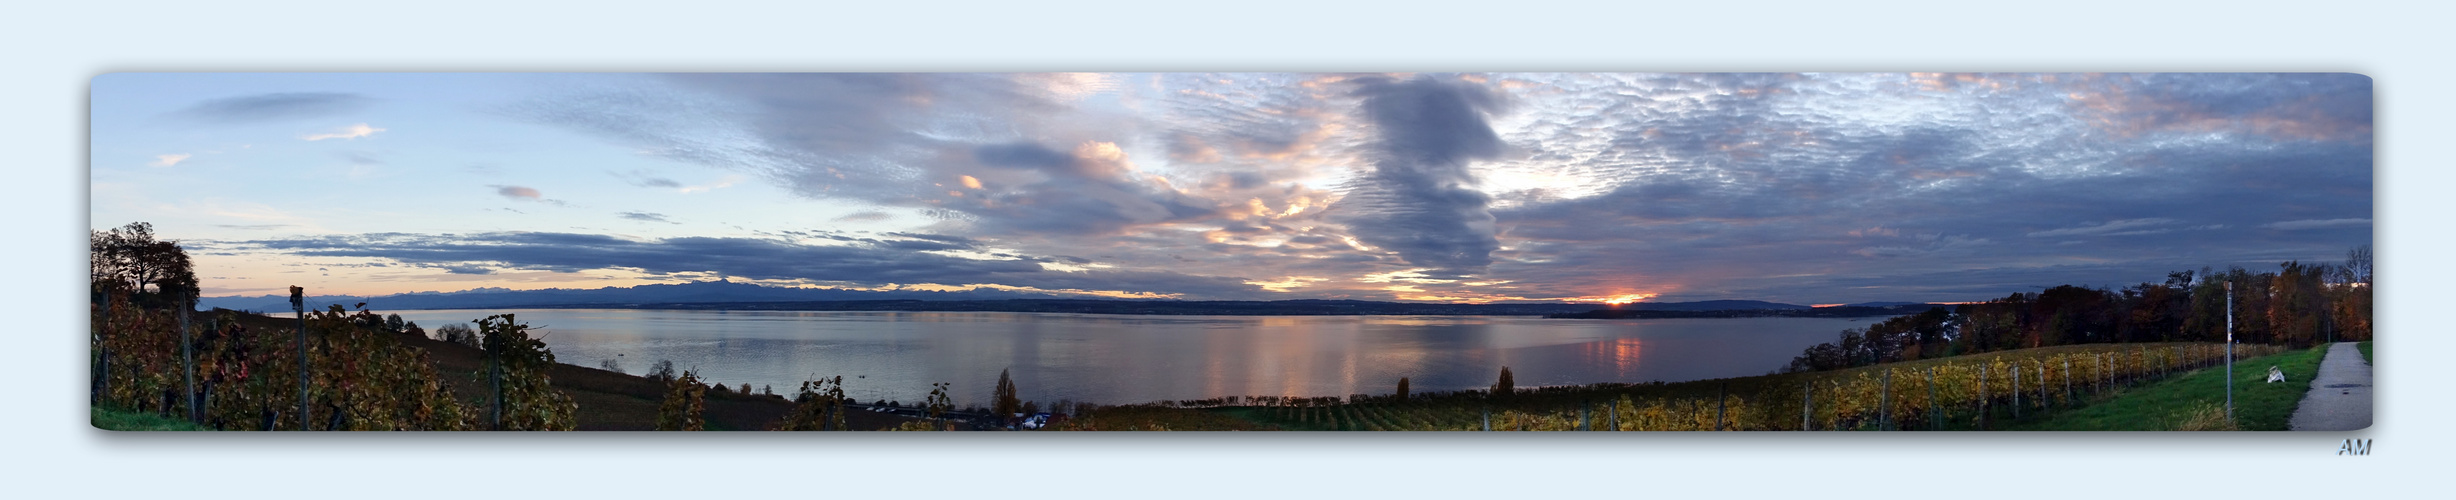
(1042,252)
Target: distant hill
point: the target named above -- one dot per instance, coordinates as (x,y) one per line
(1849,311)
(1710,305)
(728,295)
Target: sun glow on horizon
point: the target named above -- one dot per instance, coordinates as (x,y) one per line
(1626,298)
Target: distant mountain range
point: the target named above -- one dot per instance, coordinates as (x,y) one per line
(498,298)
(726,295)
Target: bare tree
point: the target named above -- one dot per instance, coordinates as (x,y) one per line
(2358,265)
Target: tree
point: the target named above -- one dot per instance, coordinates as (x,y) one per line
(1007,403)
(1502,389)
(662,371)
(2358,265)
(1402,395)
(129,259)
(458,334)
(941,400)
(2350,308)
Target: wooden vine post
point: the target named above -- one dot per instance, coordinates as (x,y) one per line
(1807,404)
(187,360)
(298,304)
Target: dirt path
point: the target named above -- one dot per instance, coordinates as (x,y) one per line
(2340,397)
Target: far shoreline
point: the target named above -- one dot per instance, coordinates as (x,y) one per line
(1214,308)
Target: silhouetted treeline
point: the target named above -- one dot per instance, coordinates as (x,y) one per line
(2297,305)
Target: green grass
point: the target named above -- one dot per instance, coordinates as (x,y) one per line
(2166,405)
(110,419)
(2365,346)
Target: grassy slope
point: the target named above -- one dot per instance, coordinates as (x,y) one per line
(113,419)
(2365,346)
(2258,405)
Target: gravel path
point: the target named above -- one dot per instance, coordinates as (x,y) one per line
(2340,397)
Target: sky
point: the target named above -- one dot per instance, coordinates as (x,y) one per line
(1799,188)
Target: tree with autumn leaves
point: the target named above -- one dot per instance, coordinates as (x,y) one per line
(2298,304)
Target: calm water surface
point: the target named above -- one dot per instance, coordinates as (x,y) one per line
(1129,359)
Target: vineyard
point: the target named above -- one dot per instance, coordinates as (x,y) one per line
(246,373)
(1974,392)
(362,376)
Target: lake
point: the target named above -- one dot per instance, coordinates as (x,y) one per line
(1114,359)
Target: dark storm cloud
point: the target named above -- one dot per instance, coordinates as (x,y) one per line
(270,107)
(1420,198)
(868,262)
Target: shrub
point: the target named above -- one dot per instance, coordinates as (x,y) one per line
(685,402)
(525,399)
(458,334)
(819,406)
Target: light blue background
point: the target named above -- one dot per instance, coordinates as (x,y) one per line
(55,48)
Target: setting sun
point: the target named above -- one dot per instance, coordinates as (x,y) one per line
(1626,298)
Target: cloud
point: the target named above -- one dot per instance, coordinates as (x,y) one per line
(253,227)
(726,182)
(1804,187)
(1420,198)
(2109,228)
(2297,225)
(647,217)
(273,107)
(169,160)
(352,132)
(517,192)
(864,216)
(1747,186)
(1045,161)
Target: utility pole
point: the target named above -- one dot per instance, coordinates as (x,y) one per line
(2229,350)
